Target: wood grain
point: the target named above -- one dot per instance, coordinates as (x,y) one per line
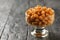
(16,27)
(4,12)
(12,20)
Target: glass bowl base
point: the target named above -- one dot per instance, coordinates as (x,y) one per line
(40,33)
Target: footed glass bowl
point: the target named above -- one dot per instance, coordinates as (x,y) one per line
(39,17)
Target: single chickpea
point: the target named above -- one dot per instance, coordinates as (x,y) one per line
(40,17)
(34,23)
(46,14)
(46,18)
(42,12)
(44,7)
(38,13)
(37,20)
(50,13)
(35,15)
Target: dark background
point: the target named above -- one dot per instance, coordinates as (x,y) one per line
(12,19)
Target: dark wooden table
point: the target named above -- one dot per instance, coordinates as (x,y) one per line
(12,19)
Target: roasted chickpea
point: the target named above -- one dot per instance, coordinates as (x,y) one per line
(40,16)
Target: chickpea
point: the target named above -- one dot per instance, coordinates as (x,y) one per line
(37,20)
(42,12)
(35,15)
(44,7)
(39,13)
(47,14)
(40,16)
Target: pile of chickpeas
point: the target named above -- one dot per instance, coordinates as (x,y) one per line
(40,16)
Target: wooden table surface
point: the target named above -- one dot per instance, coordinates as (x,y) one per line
(12,19)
